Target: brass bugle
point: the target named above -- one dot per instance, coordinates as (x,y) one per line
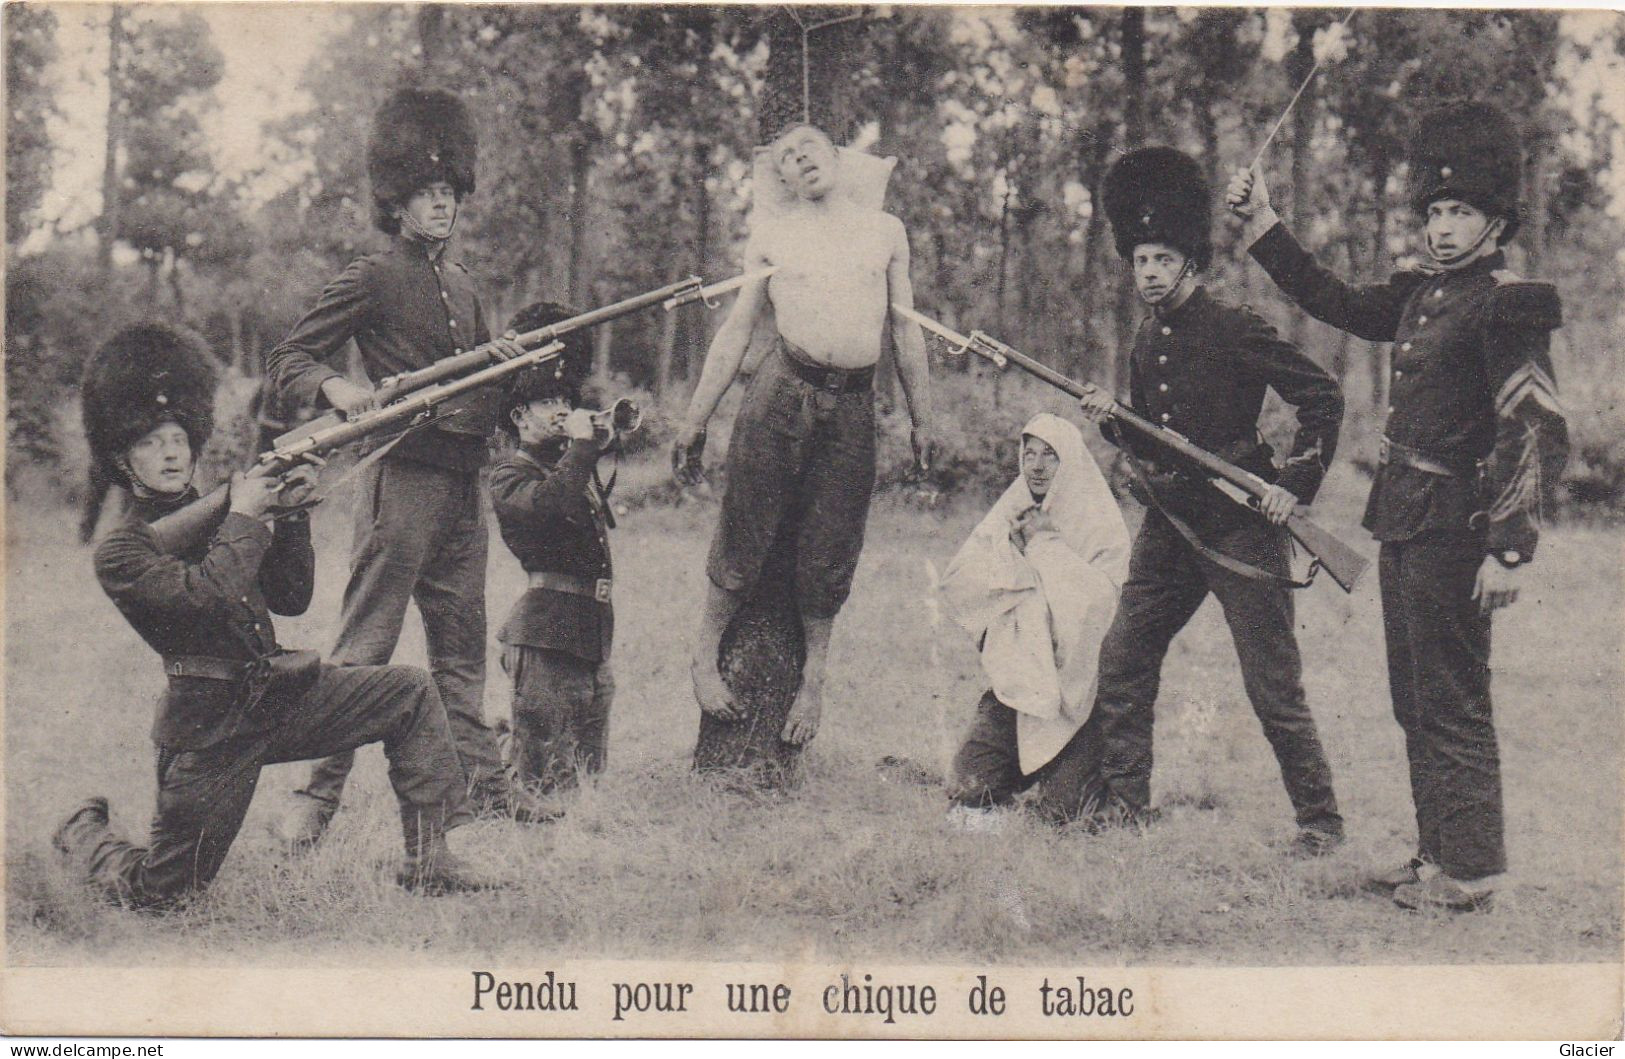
(622,417)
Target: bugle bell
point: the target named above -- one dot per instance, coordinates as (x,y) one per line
(622,417)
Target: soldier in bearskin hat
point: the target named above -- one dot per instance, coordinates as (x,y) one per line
(419,531)
(235,701)
(1474,436)
(552,507)
(1200,366)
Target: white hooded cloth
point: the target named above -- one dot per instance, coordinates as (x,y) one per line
(1041,616)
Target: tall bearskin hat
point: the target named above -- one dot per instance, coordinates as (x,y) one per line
(143,376)
(419,137)
(1160,195)
(556,378)
(1472,152)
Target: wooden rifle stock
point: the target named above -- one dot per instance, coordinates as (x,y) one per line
(398,386)
(180,529)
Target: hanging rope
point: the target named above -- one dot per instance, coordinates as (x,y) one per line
(1293,101)
(806,32)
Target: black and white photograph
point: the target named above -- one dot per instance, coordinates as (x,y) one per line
(788,521)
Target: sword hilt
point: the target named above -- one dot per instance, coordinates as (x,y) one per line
(991,348)
(692,289)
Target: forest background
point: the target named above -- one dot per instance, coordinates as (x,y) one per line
(616,147)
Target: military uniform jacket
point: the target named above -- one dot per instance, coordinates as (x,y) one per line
(1202,370)
(215,601)
(551,512)
(1471,388)
(405,309)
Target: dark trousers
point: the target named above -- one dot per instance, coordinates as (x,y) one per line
(801,461)
(1439,676)
(560,715)
(1167,582)
(419,536)
(987,768)
(203,795)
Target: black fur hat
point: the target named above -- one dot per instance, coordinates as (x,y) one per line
(1159,195)
(419,137)
(141,377)
(1469,151)
(557,378)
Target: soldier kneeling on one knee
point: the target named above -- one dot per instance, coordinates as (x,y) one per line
(203,599)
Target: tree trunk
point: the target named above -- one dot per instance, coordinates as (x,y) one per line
(1375,370)
(1533,240)
(1299,62)
(665,354)
(107,228)
(1133,47)
(580,170)
(175,286)
(432,33)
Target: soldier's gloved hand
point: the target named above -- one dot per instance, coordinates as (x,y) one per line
(1096,403)
(506,347)
(349,399)
(254,494)
(578,425)
(1496,586)
(300,482)
(1277,505)
(1246,193)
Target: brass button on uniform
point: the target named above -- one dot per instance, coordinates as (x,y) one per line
(1406,347)
(1163,359)
(1167,330)
(1163,387)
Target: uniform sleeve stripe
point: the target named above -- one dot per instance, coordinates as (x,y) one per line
(1528,381)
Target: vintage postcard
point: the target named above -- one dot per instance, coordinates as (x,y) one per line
(774,521)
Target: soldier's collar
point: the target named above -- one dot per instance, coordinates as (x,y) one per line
(149,506)
(1197,295)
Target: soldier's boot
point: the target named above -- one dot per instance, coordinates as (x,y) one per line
(309,822)
(1440,892)
(430,867)
(1412,872)
(77,838)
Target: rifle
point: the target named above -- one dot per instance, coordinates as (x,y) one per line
(1343,563)
(668,297)
(179,528)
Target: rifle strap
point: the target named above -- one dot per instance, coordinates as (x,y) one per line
(1212,555)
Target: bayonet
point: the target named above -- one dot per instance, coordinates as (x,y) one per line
(709,293)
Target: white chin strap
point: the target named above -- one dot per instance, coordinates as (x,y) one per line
(1179,281)
(416,230)
(1460,257)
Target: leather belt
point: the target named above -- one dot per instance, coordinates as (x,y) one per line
(1394,452)
(206,667)
(576,586)
(822,377)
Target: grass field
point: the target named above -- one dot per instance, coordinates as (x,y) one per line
(656,862)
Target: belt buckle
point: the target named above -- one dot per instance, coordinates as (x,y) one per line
(601,590)
(833,382)
(1384,450)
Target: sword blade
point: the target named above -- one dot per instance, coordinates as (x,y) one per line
(721,287)
(940,330)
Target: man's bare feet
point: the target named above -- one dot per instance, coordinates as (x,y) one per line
(709,690)
(802,723)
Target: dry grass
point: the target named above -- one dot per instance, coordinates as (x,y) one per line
(655,861)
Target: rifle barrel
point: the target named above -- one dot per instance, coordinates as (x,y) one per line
(407,382)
